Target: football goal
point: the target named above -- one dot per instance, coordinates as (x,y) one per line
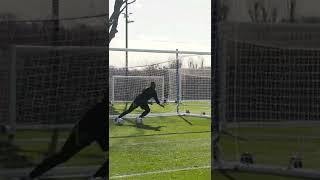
(47,86)
(183,80)
(269,111)
(136,85)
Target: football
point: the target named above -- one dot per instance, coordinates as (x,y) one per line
(139,120)
(4,129)
(119,121)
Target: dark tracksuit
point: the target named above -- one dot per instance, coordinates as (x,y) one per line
(142,101)
(92,127)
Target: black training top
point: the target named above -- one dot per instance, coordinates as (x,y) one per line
(95,119)
(147,94)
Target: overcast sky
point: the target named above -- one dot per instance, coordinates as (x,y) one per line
(165,24)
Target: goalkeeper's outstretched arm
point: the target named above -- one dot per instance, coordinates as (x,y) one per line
(155,97)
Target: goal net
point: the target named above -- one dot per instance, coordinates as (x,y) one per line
(269,110)
(46,86)
(183,80)
(136,85)
(194,90)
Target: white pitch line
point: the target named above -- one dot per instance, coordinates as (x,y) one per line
(163,142)
(158,172)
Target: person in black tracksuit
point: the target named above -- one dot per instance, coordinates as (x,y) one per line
(92,127)
(142,101)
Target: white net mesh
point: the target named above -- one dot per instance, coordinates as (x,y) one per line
(271,100)
(190,81)
(55,86)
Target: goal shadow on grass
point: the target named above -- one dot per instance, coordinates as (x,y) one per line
(186,120)
(143,126)
(10,156)
(224,174)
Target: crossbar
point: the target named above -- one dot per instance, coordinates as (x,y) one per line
(160,51)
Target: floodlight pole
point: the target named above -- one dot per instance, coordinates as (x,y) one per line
(127,22)
(126,16)
(215,103)
(52,148)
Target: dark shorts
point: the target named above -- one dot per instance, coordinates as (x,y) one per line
(82,137)
(141,103)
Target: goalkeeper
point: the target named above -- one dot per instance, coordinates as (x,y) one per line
(142,101)
(92,127)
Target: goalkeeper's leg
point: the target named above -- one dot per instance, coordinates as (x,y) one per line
(102,171)
(132,107)
(69,149)
(146,111)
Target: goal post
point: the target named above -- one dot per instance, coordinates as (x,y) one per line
(268,101)
(179,72)
(50,86)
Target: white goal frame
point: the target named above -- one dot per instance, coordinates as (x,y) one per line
(234,165)
(12,88)
(177,53)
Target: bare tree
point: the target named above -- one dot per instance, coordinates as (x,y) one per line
(201,62)
(259,13)
(119,7)
(292,9)
(274,15)
(193,64)
(265,15)
(253,11)
(224,10)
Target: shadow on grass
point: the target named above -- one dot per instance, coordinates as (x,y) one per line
(147,127)
(186,120)
(10,157)
(224,174)
(143,126)
(226,133)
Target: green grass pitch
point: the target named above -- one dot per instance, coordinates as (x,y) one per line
(33,144)
(164,148)
(176,147)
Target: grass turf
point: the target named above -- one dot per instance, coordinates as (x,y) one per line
(275,145)
(195,107)
(228,175)
(29,146)
(169,143)
(162,144)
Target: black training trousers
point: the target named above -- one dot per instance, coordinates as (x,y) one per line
(76,141)
(134,105)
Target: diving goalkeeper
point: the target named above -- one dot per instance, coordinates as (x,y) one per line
(142,101)
(91,128)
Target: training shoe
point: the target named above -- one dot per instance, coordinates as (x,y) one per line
(26,178)
(97,178)
(115,120)
(118,121)
(139,120)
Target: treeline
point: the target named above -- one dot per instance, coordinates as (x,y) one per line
(77,32)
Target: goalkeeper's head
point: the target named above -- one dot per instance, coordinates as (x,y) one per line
(153,85)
